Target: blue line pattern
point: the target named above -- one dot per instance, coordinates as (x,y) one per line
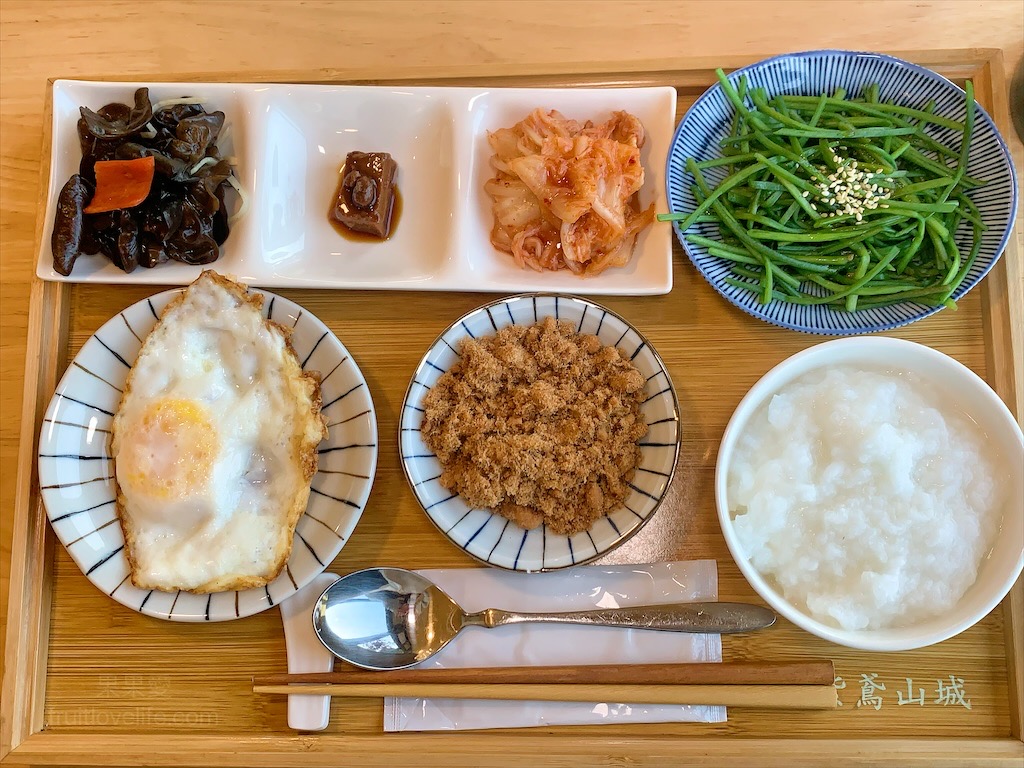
(813,73)
(76,432)
(515,548)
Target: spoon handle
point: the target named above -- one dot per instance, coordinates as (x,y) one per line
(714,618)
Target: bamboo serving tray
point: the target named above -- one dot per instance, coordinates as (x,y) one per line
(89,682)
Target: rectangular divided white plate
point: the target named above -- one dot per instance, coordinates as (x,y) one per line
(290,142)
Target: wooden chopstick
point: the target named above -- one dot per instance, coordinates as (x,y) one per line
(755,696)
(733,673)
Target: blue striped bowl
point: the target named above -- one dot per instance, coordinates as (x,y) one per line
(76,471)
(494,540)
(810,74)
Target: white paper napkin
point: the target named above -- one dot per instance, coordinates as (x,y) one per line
(578,588)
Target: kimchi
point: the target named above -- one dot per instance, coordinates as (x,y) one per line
(565,194)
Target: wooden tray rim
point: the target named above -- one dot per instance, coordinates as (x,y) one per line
(23,738)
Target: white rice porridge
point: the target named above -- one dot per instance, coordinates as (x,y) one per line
(867,499)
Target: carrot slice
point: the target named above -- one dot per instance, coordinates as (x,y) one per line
(121,184)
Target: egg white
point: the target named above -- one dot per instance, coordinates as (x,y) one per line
(213,445)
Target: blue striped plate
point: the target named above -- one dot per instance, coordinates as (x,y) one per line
(76,473)
(810,74)
(492,539)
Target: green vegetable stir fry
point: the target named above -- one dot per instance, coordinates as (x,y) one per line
(838,201)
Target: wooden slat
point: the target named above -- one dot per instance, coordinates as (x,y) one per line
(1004,306)
(472,750)
(30,590)
(29,611)
(1006,329)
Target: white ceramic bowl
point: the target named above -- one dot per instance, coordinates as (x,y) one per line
(1002,565)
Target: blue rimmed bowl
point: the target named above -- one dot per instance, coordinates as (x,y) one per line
(493,539)
(76,470)
(812,73)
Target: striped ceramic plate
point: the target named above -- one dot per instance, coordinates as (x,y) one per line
(491,538)
(813,73)
(76,473)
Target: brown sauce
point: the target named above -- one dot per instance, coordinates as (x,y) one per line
(365,237)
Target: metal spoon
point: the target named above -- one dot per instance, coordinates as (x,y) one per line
(391,618)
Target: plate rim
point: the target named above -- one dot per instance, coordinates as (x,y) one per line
(623,537)
(169,294)
(860,329)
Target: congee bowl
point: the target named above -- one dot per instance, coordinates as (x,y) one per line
(812,73)
(958,389)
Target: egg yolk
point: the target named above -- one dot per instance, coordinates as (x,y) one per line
(170,451)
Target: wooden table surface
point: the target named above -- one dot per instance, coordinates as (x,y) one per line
(380,39)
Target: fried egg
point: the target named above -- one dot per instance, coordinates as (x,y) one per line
(214,444)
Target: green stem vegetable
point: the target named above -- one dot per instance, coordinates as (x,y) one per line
(847,196)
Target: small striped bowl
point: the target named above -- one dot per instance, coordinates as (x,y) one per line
(76,471)
(494,540)
(810,74)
